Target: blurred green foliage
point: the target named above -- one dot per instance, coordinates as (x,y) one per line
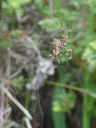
(14,5)
(83,44)
(50,25)
(36,43)
(18,82)
(64,102)
(82,41)
(4,44)
(90,55)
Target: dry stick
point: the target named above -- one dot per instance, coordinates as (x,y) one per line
(27,122)
(2,108)
(17,72)
(40,108)
(2,93)
(72,87)
(8,110)
(10,95)
(14,124)
(17,103)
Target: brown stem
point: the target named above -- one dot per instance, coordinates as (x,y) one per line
(2,93)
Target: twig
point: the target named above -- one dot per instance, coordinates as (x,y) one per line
(17,72)
(72,87)
(28,124)
(2,108)
(14,124)
(7,111)
(2,93)
(17,103)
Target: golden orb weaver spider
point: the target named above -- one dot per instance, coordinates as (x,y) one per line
(59,44)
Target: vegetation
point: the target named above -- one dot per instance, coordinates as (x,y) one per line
(27,75)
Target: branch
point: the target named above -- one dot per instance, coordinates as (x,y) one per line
(27,122)
(72,87)
(17,72)
(17,103)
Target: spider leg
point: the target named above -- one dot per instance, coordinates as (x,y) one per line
(51,56)
(53,53)
(68,50)
(62,28)
(70,53)
(70,30)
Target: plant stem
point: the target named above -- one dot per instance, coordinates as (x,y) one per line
(86,113)
(27,99)
(2,93)
(59,117)
(85,91)
(87,105)
(0,9)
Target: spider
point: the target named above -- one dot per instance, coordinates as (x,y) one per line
(59,44)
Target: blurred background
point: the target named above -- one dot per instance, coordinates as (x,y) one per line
(35,90)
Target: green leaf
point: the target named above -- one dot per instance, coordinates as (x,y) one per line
(18,82)
(64,102)
(50,24)
(4,44)
(90,56)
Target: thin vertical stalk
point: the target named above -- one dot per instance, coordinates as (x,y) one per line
(87,105)
(0,9)
(59,117)
(27,98)
(2,93)
(51,5)
(8,70)
(56,7)
(86,113)
(56,4)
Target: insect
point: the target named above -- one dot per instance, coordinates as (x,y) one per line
(58,45)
